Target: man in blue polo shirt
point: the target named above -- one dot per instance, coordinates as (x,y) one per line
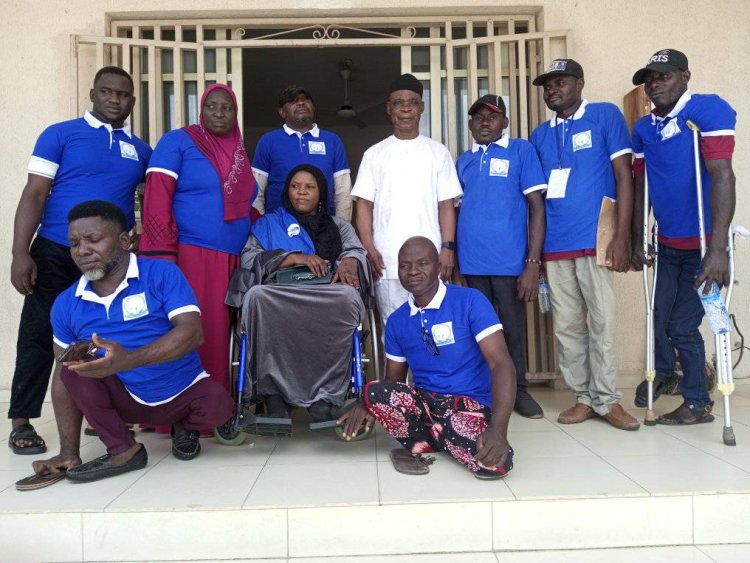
(73,161)
(498,254)
(663,144)
(300,141)
(586,156)
(144,319)
(464,385)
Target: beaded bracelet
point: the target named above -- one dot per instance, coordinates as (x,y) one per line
(532,261)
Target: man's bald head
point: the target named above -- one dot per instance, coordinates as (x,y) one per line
(419,267)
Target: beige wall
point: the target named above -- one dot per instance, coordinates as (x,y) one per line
(610,38)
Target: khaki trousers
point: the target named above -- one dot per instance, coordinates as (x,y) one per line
(583,309)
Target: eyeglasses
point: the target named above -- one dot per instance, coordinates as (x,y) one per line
(399,103)
(430,342)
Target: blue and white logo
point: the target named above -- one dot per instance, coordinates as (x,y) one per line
(134,307)
(582,140)
(317,147)
(128,151)
(293,230)
(442,333)
(499,167)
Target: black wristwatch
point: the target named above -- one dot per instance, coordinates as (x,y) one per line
(449,244)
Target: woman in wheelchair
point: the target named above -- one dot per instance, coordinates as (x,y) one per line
(299,290)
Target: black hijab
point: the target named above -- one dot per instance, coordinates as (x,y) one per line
(321,228)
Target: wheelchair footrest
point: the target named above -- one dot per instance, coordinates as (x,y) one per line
(266,426)
(323,425)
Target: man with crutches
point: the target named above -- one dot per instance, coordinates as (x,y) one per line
(683,154)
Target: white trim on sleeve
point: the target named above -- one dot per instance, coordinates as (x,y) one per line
(186,309)
(59,342)
(43,167)
(487,331)
(614,155)
(718,133)
(263,172)
(536,188)
(393,358)
(342,172)
(163,171)
(638,155)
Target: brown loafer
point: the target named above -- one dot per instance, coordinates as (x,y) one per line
(619,418)
(575,414)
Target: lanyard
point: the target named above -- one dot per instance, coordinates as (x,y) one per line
(561,150)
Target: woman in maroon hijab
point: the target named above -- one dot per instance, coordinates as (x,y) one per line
(196,212)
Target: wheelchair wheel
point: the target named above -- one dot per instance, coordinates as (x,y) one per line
(228,435)
(362,434)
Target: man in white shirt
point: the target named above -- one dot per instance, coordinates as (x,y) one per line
(405,187)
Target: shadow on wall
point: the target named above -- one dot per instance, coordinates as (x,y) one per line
(266,72)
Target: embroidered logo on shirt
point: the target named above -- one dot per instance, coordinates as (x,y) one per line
(128,151)
(582,140)
(316,147)
(442,333)
(670,130)
(293,230)
(134,307)
(499,167)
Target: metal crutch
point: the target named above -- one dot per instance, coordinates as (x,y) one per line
(649,291)
(725,383)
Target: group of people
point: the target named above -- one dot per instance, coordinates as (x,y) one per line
(449,250)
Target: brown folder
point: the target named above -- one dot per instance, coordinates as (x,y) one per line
(606,229)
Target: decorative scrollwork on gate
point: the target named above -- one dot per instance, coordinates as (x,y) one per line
(328,32)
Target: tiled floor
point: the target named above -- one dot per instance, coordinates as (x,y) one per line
(316,469)
(314,495)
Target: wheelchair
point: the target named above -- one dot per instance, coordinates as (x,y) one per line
(366,365)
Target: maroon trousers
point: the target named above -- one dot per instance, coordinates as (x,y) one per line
(109,408)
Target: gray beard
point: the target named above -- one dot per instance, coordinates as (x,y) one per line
(95,275)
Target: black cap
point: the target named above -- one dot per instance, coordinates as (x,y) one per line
(290,93)
(490,101)
(564,67)
(406,82)
(665,60)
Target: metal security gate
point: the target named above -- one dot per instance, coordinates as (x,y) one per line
(457,58)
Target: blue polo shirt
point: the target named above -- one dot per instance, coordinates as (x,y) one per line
(586,143)
(666,143)
(458,318)
(281,150)
(493,224)
(137,313)
(198,202)
(86,159)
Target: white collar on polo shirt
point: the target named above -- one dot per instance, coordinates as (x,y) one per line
(436,302)
(577,115)
(86,294)
(96,124)
(501,142)
(315,132)
(679,106)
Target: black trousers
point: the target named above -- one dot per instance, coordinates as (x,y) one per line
(56,271)
(502,293)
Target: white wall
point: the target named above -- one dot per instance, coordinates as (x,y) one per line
(611,39)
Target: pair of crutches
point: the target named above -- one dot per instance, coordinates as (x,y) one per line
(725,382)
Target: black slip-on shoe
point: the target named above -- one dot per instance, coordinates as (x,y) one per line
(185,444)
(101,468)
(526,406)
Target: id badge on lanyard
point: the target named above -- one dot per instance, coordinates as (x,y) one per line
(558,178)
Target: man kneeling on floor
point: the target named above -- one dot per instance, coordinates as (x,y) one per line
(143,319)
(464,380)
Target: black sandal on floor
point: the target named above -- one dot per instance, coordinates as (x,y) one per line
(641,392)
(685,415)
(26,432)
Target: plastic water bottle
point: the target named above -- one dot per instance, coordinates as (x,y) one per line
(716,311)
(544,303)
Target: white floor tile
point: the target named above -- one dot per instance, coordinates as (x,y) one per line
(592,523)
(739,553)
(568,477)
(19,537)
(314,484)
(191,488)
(177,536)
(681,473)
(604,440)
(683,554)
(322,446)
(486,557)
(376,530)
(546,444)
(448,481)
(721,519)
(214,454)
